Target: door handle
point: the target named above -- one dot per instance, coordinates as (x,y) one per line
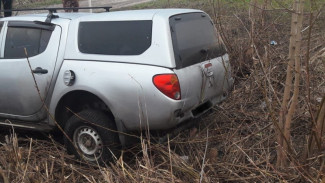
(39,70)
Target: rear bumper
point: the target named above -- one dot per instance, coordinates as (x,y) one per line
(202,108)
(175,120)
(178,115)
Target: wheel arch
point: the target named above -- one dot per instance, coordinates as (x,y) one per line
(77,100)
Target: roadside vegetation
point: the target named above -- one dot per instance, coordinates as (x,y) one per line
(24,4)
(271,128)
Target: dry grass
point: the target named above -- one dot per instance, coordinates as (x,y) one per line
(234,143)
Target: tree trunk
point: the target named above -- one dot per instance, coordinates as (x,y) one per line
(285,116)
(319,130)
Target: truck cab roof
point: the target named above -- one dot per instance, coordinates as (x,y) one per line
(115,15)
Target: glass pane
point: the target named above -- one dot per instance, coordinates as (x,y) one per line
(1,25)
(115,38)
(194,39)
(34,40)
(45,37)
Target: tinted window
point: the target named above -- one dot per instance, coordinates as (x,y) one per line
(194,39)
(18,38)
(1,25)
(115,37)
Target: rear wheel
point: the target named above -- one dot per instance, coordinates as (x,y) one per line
(92,137)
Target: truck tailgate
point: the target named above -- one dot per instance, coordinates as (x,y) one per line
(207,81)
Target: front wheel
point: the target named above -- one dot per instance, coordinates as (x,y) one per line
(92,137)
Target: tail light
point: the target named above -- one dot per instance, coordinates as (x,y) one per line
(168,84)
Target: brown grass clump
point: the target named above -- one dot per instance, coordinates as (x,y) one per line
(32,160)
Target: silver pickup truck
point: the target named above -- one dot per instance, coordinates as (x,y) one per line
(102,75)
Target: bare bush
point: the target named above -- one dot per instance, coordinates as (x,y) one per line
(234,143)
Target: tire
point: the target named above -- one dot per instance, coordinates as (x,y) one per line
(90,139)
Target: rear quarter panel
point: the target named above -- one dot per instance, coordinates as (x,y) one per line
(127,89)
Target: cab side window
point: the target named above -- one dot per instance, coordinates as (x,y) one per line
(1,25)
(34,39)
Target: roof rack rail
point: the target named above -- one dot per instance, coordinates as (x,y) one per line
(54,10)
(50,16)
